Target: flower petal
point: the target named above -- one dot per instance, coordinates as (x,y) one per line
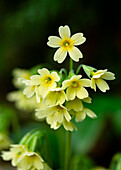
(68,125)
(82,93)
(56,76)
(80,116)
(60,55)
(87,100)
(64,32)
(85,82)
(29,91)
(36,79)
(65,84)
(54,41)
(90,113)
(108,76)
(78,39)
(93,85)
(102,85)
(99,73)
(75,53)
(70,93)
(43,71)
(67,116)
(75,104)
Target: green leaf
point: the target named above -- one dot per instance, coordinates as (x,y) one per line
(82,161)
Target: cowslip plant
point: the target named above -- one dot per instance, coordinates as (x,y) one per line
(60,95)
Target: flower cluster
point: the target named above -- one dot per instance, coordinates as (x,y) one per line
(58,97)
(24,159)
(24,155)
(61,96)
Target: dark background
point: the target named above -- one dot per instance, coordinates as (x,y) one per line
(24,29)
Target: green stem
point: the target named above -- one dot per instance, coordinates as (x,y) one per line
(67,150)
(68,137)
(71,64)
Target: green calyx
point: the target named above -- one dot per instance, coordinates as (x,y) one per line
(89,70)
(35,141)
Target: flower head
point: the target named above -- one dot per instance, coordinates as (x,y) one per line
(44,82)
(56,116)
(97,79)
(75,87)
(66,44)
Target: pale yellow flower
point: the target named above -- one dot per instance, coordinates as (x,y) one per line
(55,97)
(19,76)
(55,115)
(66,44)
(75,87)
(97,79)
(5,141)
(16,151)
(23,103)
(77,109)
(81,115)
(30,160)
(44,82)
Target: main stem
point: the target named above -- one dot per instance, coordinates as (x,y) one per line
(67,150)
(68,137)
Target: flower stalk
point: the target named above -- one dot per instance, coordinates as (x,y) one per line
(67,150)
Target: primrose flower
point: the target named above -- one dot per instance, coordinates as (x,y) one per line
(23,103)
(55,97)
(44,82)
(66,44)
(55,115)
(19,76)
(75,87)
(97,79)
(16,151)
(30,160)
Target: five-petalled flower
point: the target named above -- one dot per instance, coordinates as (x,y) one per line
(66,44)
(97,79)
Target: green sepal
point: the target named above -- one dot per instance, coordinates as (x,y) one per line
(71,73)
(62,74)
(36,141)
(79,67)
(88,70)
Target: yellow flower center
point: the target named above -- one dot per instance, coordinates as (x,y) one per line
(48,80)
(66,43)
(74,83)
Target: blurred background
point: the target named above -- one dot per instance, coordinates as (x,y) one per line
(24,29)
